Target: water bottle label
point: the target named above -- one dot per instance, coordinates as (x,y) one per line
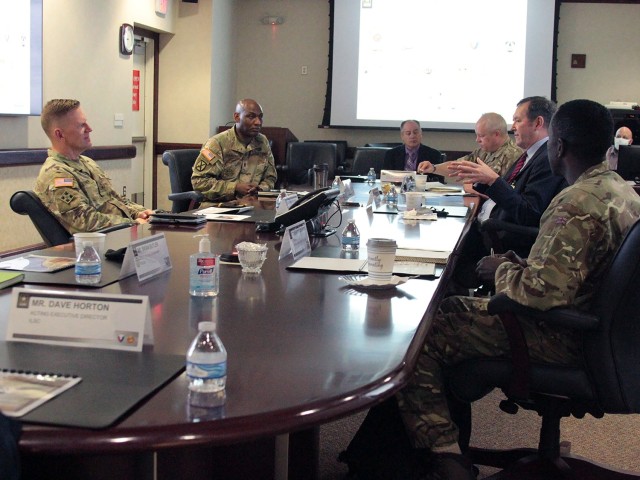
(206,370)
(351,240)
(88,269)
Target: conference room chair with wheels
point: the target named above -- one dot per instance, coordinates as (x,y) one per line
(366,157)
(383,144)
(26,202)
(504,236)
(302,156)
(607,381)
(180,164)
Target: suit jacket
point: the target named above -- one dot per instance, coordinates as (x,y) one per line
(395,157)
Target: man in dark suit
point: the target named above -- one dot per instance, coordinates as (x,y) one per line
(411,153)
(521,195)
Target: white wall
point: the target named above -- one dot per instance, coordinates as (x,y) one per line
(605,33)
(81,60)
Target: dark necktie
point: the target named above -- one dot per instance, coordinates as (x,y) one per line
(518,167)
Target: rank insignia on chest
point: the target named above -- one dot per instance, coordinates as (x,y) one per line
(200,165)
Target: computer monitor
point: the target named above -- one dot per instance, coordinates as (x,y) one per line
(310,208)
(629,162)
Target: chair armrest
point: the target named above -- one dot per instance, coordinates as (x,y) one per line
(560,316)
(282,168)
(192,195)
(495,225)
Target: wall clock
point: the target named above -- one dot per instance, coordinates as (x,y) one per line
(126,39)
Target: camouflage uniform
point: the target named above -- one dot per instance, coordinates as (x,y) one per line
(224,161)
(579,233)
(80,194)
(500,160)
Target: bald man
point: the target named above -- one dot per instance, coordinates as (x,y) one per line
(623,137)
(496,148)
(238,161)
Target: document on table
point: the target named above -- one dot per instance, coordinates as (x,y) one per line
(407,262)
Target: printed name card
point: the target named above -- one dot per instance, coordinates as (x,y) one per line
(147,257)
(78,319)
(296,241)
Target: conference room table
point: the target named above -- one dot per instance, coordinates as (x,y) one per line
(304,348)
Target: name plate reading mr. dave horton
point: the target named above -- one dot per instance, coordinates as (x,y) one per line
(78,319)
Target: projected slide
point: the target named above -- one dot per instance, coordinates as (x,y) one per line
(470,61)
(21,57)
(442,62)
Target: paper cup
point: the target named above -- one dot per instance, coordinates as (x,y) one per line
(97,239)
(381,253)
(421,183)
(414,200)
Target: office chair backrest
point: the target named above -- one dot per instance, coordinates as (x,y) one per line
(367,157)
(26,202)
(180,163)
(341,149)
(612,352)
(302,156)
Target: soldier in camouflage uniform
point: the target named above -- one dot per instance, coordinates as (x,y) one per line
(496,148)
(238,161)
(579,233)
(73,187)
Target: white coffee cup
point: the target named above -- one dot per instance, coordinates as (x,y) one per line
(381,253)
(414,200)
(96,239)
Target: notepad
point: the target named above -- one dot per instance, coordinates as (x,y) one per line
(21,392)
(10,278)
(38,263)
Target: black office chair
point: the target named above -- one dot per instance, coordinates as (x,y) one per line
(503,236)
(26,202)
(180,163)
(341,152)
(383,144)
(366,157)
(302,156)
(608,381)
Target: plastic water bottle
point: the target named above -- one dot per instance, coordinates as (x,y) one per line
(88,265)
(207,368)
(280,197)
(351,237)
(371,176)
(392,197)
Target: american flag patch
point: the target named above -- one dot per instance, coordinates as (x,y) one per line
(63,182)
(208,154)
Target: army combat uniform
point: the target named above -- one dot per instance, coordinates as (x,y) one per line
(579,233)
(500,160)
(224,161)
(80,194)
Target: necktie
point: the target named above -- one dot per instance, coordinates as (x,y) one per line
(518,167)
(412,158)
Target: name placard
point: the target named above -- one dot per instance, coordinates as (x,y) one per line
(79,319)
(148,257)
(296,241)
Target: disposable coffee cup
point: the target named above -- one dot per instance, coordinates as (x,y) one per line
(381,253)
(421,183)
(96,239)
(414,200)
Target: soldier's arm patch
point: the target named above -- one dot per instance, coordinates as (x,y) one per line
(208,154)
(67,197)
(200,165)
(63,182)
